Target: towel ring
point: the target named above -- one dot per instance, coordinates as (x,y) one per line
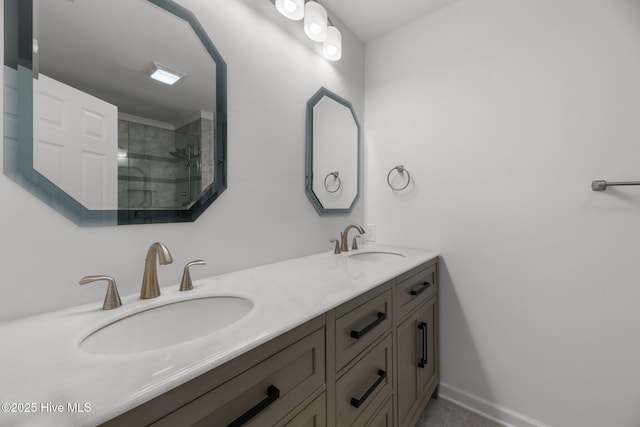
(336,176)
(401,170)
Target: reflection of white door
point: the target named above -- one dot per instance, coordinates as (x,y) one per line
(75,142)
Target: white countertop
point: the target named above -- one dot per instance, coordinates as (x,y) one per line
(43,369)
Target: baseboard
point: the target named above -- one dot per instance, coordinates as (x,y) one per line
(500,414)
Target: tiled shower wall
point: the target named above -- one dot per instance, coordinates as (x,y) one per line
(149,176)
(207,132)
(200,133)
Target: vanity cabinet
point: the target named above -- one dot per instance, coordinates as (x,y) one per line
(372,361)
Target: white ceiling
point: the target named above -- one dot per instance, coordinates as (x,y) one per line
(107,48)
(369,19)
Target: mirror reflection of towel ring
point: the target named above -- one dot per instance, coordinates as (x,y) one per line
(336,176)
(401,170)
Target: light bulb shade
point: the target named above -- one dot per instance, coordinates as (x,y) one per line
(292,9)
(332,45)
(315,21)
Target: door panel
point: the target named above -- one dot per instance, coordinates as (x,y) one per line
(76,142)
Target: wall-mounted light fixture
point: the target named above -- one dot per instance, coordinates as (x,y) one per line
(292,9)
(317,25)
(332,45)
(315,21)
(165,74)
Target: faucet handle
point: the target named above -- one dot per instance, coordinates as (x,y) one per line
(112,298)
(336,249)
(354,246)
(186,284)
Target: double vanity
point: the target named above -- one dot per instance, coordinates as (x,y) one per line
(346,340)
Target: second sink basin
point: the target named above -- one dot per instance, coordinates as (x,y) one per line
(167,325)
(376,256)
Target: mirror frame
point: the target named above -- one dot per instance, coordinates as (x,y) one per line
(18,160)
(311,103)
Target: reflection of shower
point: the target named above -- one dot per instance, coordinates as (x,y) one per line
(186,153)
(190,155)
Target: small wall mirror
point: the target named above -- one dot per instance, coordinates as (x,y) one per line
(333,153)
(115,110)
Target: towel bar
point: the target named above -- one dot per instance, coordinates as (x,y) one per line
(602,185)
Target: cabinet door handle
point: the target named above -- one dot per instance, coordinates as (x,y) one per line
(422,326)
(358,334)
(272,395)
(358,402)
(421,289)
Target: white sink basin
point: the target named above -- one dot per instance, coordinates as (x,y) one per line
(167,325)
(376,256)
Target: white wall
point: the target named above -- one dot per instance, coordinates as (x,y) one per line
(504,112)
(263,216)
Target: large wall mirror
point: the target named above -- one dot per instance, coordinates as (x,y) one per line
(115,110)
(333,153)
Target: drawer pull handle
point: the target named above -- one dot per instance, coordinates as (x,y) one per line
(421,289)
(359,334)
(272,395)
(423,347)
(358,402)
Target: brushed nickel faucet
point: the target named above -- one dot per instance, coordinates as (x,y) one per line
(186,284)
(354,245)
(150,288)
(344,246)
(112,298)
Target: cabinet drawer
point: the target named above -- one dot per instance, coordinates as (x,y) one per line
(359,328)
(415,287)
(384,417)
(366,386)
(270,389)
(313,415)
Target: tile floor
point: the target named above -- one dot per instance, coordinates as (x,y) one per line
(442,413)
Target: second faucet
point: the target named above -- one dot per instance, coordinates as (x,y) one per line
(344,246)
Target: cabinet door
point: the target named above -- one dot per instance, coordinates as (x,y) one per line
(416,360)
(427,368)
(75,142)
